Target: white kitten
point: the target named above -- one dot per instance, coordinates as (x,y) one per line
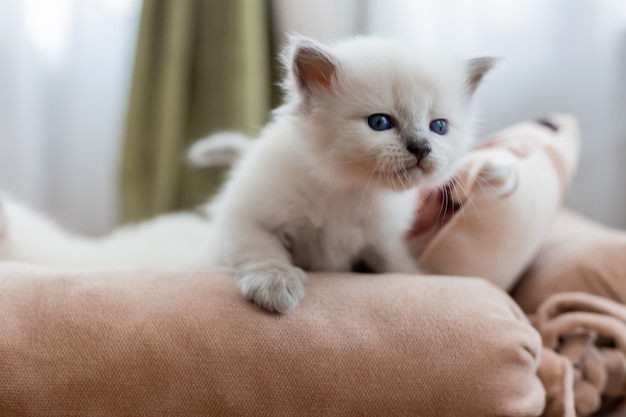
(331,182)
(333,179)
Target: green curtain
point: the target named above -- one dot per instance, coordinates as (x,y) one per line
(200,66)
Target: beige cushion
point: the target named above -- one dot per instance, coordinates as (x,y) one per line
(146,343)
(577,255)
(505,197)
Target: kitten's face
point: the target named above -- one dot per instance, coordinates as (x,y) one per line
(382,115)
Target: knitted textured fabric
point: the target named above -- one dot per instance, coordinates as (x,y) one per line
(576,288)
(590,332)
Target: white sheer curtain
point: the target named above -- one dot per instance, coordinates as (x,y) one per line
(64,74)
(556,56)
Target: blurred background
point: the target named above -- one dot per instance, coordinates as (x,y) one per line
(100,98)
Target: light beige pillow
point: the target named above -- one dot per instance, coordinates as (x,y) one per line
(498,210)
(577,255)
(147,343)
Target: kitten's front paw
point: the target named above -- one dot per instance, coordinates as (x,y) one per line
(276,287)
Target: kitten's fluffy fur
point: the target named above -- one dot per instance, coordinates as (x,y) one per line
(177,240)
(320,189)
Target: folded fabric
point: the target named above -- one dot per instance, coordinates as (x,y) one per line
(590,332)
(157,343)
(490,222)
(577,255)
(557,375)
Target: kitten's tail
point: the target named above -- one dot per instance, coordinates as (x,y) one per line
(219,149)
(177,240)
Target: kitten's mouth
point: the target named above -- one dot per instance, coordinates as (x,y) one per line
(406,169)
(423,165)
(408,174)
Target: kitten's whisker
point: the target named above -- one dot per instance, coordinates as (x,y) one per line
(369,211)
(392,177)
(402,178)
(391,180)
(443,208)
(366,188)
(481,182)
(470,200)
(456,192)
(407,178)
(485,182)
(354,161)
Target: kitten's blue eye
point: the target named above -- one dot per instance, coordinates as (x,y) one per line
(439,126)
(379,122)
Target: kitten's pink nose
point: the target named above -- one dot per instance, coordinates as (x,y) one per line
(420,150)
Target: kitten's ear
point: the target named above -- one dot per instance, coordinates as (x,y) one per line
(476,70)
(312,65)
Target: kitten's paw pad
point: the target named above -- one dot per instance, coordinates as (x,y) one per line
(499,176)
(278,289)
